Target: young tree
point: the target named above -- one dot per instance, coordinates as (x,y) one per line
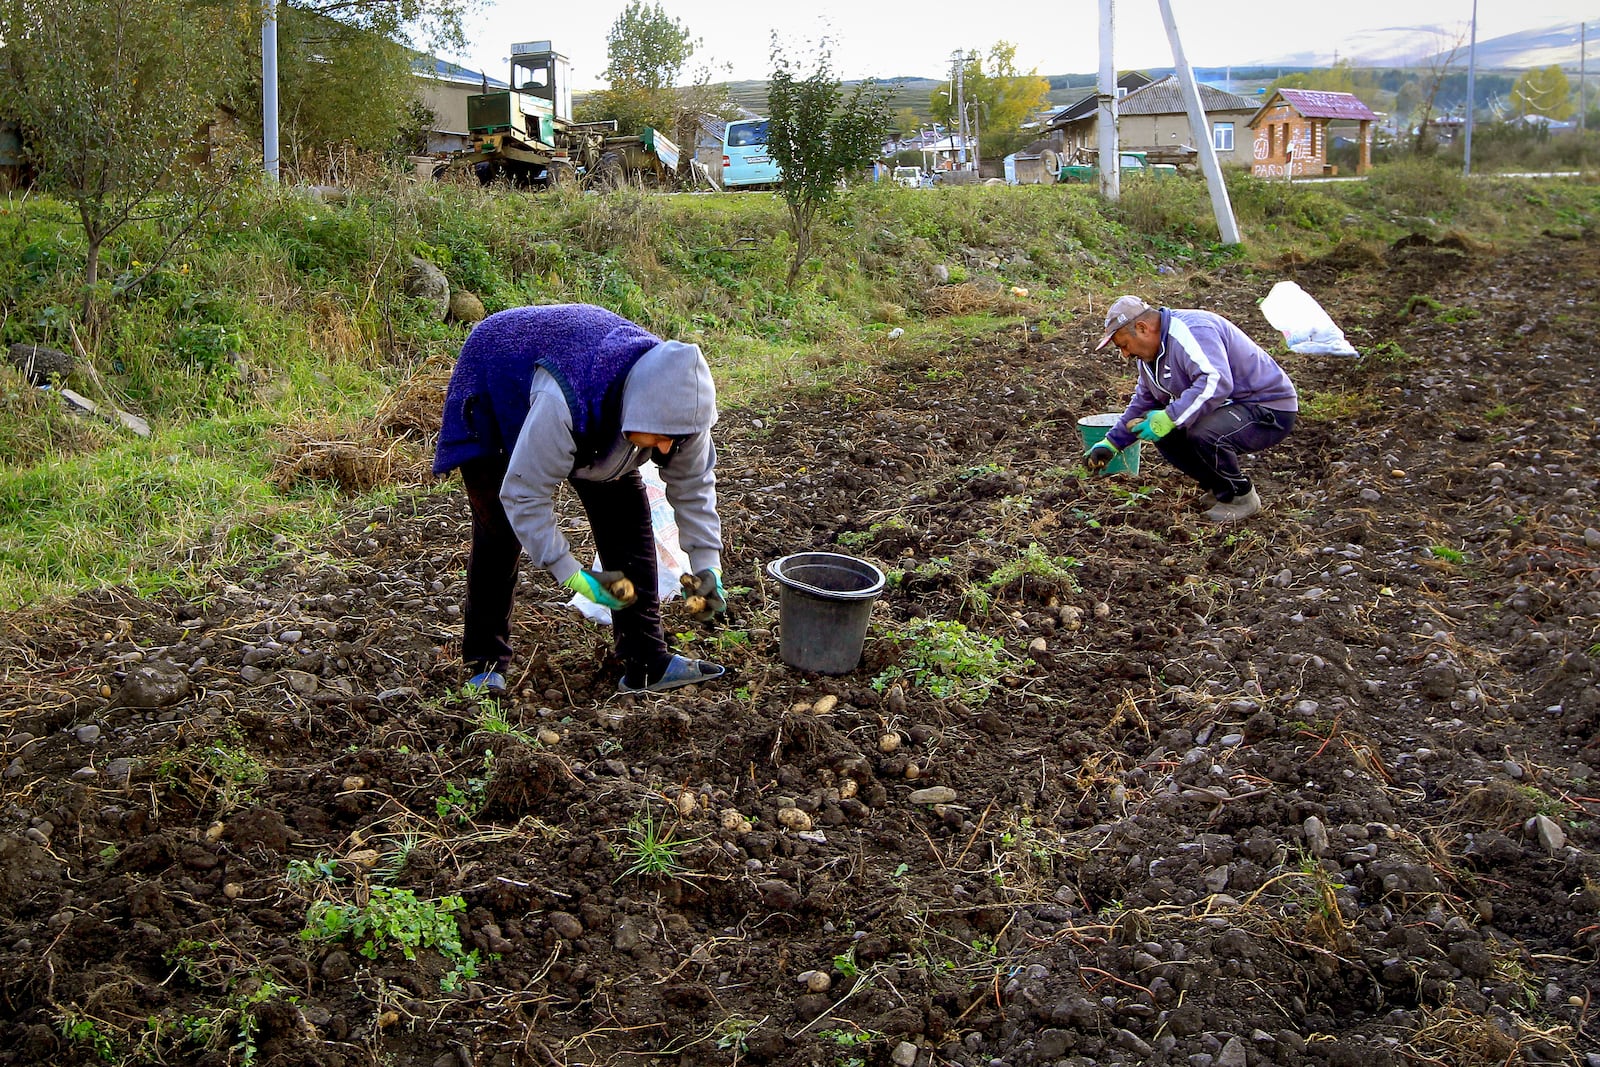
(112,100)
(817,136)
(1543,91)
(647,50)
(998,96)
(1436,69)
(338,84)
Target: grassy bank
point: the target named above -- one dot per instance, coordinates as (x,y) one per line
(283,324)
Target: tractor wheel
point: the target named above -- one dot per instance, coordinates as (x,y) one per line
(610,173)
(560,175)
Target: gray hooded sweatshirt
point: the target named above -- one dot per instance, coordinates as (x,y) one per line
(669,391)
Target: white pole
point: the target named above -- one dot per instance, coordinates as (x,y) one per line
(1200,129)
(1106,121)
(1472,76)
(269,87)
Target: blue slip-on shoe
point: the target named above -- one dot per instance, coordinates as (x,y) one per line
(680,672)
(488,682)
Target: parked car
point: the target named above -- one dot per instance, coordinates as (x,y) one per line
(910,177)
(1129,162)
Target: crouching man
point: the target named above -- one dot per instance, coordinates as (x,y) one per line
(1206,394)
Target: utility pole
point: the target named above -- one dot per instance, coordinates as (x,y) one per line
(1200,129)
(1472,77)
(269,87)
(960,58)
(1106,97)
(1583,57)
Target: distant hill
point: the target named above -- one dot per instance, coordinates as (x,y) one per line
(1413,46)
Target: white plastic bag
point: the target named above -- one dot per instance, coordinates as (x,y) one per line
(1306,328)
(671,560)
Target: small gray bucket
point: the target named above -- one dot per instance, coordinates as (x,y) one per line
(824,602)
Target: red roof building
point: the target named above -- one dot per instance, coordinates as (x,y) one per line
(1291,132)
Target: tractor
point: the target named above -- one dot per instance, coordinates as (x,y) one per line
(525,134)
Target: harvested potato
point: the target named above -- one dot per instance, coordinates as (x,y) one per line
(794,819)
(695,604)
(825,704)
(889,742)
(622,589)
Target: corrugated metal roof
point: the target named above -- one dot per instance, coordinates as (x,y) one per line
(1320,104)
(1165,97)
(1089,102)
(444,70)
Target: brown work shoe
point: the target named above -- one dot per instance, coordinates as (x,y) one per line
(1237,509)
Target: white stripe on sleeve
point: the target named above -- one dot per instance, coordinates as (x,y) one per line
(1179,331)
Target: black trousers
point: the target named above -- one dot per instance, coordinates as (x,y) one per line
(1209,450)
(619,518)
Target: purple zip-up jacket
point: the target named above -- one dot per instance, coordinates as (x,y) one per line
(1205,362)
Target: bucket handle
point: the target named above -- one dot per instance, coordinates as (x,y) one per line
(819,593)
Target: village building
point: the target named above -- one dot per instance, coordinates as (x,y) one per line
(443,88)
(1154,119)
(1290,132)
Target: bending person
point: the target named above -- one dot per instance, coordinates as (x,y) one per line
(575,393)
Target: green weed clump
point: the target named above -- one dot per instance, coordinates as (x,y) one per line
(946,659)
(1419,187)
(396,919)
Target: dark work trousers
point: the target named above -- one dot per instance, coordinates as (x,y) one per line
(619,518)
(1209,450)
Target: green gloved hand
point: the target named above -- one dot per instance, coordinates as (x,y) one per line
(1100,454)
(703,594)
(609,589)
(1154,426)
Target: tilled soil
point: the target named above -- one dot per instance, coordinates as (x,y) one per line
(1310,790)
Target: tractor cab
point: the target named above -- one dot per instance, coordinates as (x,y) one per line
(539,100)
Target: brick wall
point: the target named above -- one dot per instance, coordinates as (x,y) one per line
(1287,143)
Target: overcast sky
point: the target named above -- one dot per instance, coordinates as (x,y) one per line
(915,38)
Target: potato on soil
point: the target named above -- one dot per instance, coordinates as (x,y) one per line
(794,819)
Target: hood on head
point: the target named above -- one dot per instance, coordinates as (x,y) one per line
(670,392)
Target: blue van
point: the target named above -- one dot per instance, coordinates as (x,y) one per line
(745,159)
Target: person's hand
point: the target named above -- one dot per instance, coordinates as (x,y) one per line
(1154,426)
(1099,456)
(609,589)
(703,594)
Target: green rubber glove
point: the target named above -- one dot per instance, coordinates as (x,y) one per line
(596,586)
(707,586)
(1154,426)
(1100,454)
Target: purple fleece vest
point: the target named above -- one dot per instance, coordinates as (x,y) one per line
(587,349)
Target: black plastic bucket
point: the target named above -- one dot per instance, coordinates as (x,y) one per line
(824,602)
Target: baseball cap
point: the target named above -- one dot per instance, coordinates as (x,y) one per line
(1123,310)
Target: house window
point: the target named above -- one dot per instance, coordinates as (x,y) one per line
(1222,136)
